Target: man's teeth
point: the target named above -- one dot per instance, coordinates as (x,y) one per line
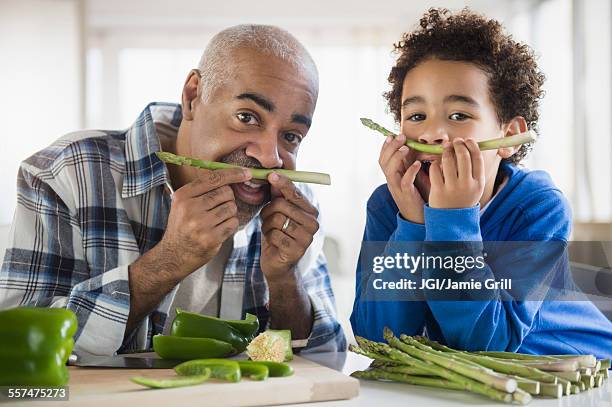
(253,185)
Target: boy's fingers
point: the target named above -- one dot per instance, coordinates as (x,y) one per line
(435,174)
(477,160)
(390,146)
(449,166)
(396,163)
(410,175)
(464,163)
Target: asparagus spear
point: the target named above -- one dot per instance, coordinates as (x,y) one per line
(431,382)
(583,360)
(528,385)
(258,173)
(493,144)
(551,390)
(554,366)
(571,376)
(369,354)
(605,364)
(482,375)
(409,370)
(521,396)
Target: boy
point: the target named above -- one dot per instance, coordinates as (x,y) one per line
(460,79)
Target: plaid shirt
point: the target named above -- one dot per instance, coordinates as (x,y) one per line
(93,202)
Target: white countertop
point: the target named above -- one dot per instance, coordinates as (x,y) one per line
(386,394)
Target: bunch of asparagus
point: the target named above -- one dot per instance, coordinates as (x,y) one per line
(502,376)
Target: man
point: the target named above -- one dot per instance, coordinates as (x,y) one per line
(104,228)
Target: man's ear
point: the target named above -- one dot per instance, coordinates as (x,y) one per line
(517,125)
(191,94)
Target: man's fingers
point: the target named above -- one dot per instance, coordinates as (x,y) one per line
(291,193)
(225,229)
(209,180)
(285,243)
(286,209)
(293,229)
(223,212)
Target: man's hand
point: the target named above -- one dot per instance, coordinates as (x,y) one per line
(400,167)
(459,180)
(202,217)
(289,223)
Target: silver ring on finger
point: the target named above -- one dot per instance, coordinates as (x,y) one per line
(286,224)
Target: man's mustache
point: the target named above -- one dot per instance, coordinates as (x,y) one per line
(240,158)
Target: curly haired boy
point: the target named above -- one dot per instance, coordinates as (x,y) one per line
(459,79)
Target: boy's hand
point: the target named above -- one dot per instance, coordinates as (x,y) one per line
(400,167)
(459,180)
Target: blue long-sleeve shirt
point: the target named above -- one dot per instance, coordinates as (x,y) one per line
(528,208)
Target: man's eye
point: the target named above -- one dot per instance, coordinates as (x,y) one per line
(292,138)
(246,118)
(458,117)
(417,117)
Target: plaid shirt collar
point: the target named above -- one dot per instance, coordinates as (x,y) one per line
(143,170)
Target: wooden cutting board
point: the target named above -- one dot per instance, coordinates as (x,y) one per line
(112,387)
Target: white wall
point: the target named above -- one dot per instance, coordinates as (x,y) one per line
(39,83)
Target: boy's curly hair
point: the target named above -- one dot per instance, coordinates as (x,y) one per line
(515,81)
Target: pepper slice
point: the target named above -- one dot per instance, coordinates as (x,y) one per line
(276,369)
(222,369)
(173,382)
(174,347)
(189,324)
(253,370)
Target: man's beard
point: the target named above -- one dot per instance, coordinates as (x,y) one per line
(246,211)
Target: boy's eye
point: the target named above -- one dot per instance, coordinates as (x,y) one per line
(246,118)
(292,138)
(458,117)
(417,117)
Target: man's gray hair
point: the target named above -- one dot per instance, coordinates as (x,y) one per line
(216,67)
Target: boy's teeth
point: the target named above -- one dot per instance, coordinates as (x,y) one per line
(252,185)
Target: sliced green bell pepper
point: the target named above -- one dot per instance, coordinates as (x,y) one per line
(192,325)
(175,347)
(223,369)
(253,370)
(172,382)
(38,343)
(276,369)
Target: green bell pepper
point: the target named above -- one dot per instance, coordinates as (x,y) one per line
(192,325)
(38,342)
(175,347)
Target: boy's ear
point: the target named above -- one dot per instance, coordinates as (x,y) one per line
(191,94)
(516,126)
